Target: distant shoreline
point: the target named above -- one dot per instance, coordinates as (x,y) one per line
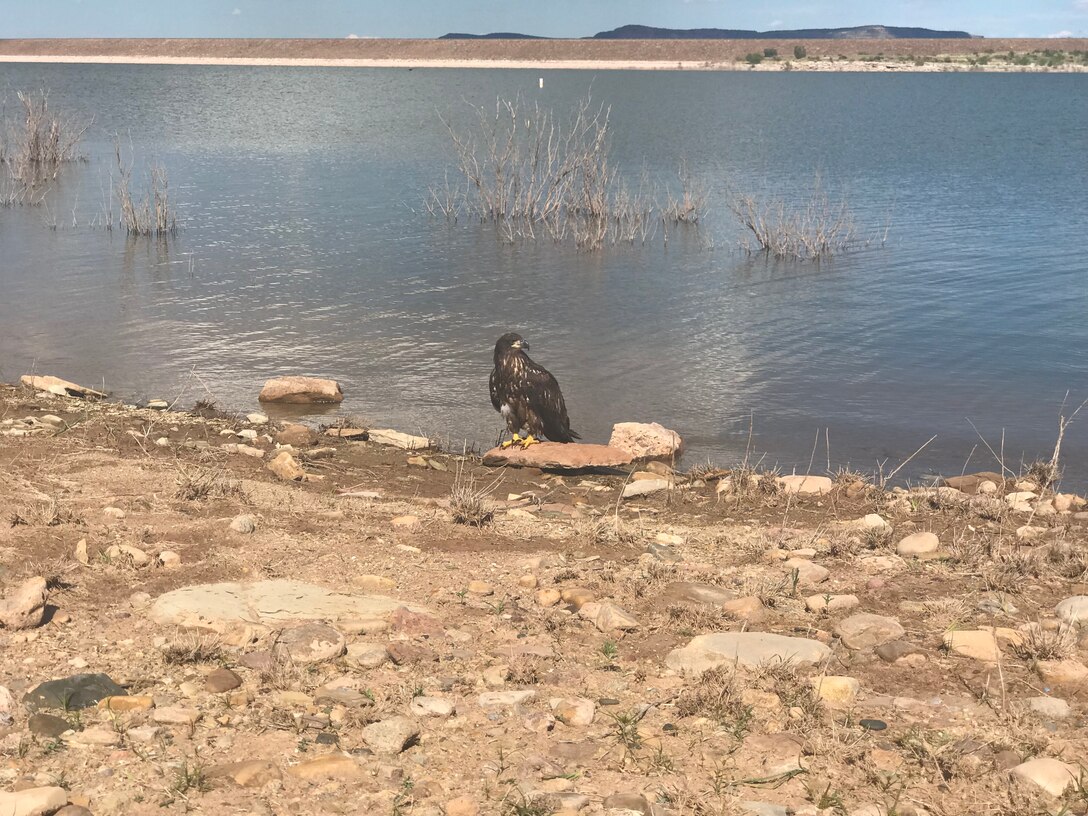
(843,55)
(837,66)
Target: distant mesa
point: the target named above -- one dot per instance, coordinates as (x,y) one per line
(872,32)
(497,35)
(639,32)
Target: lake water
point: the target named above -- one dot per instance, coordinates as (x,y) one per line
(304,249)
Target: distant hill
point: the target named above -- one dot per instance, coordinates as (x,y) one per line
(874,32)
(638,32)
(498,35)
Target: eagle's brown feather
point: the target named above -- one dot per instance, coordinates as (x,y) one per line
(526,394)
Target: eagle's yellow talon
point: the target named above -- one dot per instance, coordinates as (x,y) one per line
(509,443)
(529,440)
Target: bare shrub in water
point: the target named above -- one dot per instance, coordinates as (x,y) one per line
(534,175)
(154,215)
(813,228)
(33,147)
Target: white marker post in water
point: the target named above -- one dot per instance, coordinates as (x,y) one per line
(542,82)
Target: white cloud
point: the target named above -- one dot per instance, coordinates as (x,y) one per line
(236,12)
(352,37)
(1081,4)
(775,23)
(1062,35)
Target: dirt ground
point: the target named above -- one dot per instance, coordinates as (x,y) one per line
(902,714)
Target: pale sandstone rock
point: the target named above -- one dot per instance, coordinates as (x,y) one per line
(1052,775)
(301,390)
(25,607)
(647,441)
(805,485)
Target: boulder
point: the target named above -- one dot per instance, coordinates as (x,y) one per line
(1052,775)
(25,607)
(74,692)
(918,544)
(971,483)
(644,487)
(646,441)
(62,388)
(301,391)
(867,631)
(558,456)
(33,801)
(1073,610)
(296,435)
(287,468)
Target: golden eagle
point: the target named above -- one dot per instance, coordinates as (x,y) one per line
(527,395)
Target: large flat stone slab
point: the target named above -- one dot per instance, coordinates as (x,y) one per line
(267,603)
(559,456)
(749,649)
(62,388)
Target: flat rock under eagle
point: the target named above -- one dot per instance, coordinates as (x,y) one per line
(527,395)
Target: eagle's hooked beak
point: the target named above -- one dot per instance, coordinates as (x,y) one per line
(521,345)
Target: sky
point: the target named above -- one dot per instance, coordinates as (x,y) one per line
(555,18)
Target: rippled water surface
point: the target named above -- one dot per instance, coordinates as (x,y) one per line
(305,249)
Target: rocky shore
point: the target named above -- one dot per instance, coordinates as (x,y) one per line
(215,614)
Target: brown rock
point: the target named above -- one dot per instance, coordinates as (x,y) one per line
(252,773)
(301,390)
(329,766)
(312,642)
(750,608)
(558,456)
(415,623)
(287,468)
(295,435)
(25,607)
(462,806)
(577,597)
(124,703)
(222,680)
(970,484)
(867,631)
(696,593)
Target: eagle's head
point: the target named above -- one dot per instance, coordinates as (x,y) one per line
(510,343)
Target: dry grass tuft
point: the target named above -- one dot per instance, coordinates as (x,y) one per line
(45,514)
(691,619)
(200,484)
(1044,472)
(192,647)
(1047,644)
(469,504)
(716,695)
